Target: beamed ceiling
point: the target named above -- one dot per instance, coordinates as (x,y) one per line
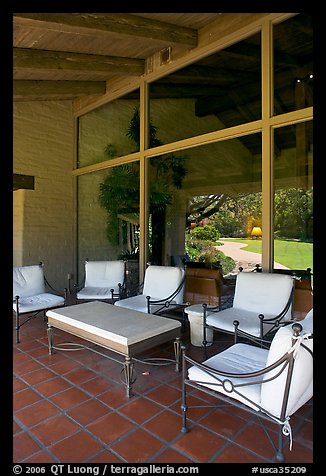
(73,56)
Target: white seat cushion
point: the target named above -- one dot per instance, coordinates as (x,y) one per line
(139,303)
(38,302)
(239,358)
(249,321)
(96,293)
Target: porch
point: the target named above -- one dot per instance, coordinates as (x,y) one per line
(71,407)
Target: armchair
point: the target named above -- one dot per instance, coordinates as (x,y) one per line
(272,384)
(162,290)
(103,280)
(262,302)
(30,294)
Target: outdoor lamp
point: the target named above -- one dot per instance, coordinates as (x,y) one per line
(256,232)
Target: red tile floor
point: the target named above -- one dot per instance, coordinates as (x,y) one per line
(71,407)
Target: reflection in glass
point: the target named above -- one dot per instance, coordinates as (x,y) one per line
(108,216)
(219,91)
(104,133)
(219,197)
(293,63)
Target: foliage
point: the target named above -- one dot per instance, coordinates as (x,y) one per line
(235,217)
(293,214)
(206,232)
(204,250)
(119,191)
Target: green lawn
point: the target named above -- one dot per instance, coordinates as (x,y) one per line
(292,254)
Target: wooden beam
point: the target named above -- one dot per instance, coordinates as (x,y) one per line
(25,182)
(58,88)
(43,60)
(121,23)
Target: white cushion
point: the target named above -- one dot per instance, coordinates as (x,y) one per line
(38,302)
(263,293)
(104,274)
(96,293)
(28,281)
(244,358)
(139,303)
(308,323)
(302,378)
(249,321)
(162,281)
(239,358)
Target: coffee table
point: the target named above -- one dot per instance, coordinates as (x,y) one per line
(123,331)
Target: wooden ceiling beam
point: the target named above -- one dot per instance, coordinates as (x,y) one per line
(120,23)
(43,60)
(56,88)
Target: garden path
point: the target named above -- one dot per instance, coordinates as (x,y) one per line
(245,259)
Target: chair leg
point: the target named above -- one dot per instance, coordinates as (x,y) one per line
(184,406)
(17,320)
(17,328)
(279,456)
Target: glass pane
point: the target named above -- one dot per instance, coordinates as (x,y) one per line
(108,131)
(108,218)
(219,91)
(293,64)
(293,204)
(211,209)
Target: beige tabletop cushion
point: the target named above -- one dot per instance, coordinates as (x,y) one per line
(119,325)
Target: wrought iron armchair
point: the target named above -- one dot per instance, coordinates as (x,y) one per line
(270,383)
(161,291)
(103,280)
(262,303)
(31,294)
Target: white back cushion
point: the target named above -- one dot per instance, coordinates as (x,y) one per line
(28,281)
(302,379)
(104,274)
(161,281)
(264,293)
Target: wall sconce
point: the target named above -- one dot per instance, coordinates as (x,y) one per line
(256,232)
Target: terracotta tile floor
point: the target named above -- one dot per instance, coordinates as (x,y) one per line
(71,407)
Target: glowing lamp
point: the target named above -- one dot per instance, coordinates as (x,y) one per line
(256,232)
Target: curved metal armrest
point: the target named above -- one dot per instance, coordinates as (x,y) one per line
(55,291)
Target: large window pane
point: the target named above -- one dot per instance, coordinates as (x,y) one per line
(221,90)
(220,194)
(293,196)
(108,131)
(108,217)
(293,64)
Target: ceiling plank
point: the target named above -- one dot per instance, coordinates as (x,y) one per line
(56,88)
(29,59)
(121,23)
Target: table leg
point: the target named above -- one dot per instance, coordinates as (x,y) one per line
(50,332)
(177,353)
(128,367)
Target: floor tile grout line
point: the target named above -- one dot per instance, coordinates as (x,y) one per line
(81,365)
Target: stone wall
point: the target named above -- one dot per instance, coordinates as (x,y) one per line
(43,223)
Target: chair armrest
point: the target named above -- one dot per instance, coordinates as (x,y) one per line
(166,301)
(55,291)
